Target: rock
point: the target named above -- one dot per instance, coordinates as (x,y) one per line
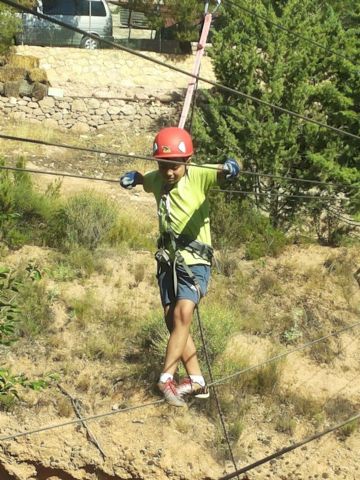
(12,88)
(39,91)
(80,127)
(93,103)
(10,74)
(47,102)
(78,105)
(38,75)
(23,61)
(128,110)
(113,110)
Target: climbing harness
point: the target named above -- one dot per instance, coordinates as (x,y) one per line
(169,255)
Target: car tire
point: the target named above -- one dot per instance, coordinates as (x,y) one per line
(90,43)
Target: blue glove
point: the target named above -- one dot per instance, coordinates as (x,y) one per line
(231,168)
(128,180)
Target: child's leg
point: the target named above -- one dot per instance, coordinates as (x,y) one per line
(189,356)
(179,346)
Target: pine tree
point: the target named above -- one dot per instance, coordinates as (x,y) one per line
(253,56)
(184,14)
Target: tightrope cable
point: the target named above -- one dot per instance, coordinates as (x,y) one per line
(212,384)
(79,420)
(22,8)
(112,180)
(152,159)
(217,401)
(296,445)
(284,354)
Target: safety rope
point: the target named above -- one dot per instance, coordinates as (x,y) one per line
(217,401)
(284,354)
(22,8)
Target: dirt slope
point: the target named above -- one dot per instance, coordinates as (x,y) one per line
(159,441)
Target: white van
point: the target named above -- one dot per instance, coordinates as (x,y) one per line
(93,16)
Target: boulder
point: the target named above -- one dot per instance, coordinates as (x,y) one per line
(39,91)
(24,61)
(9,74)
(38,75)
(26,88)
(12,88)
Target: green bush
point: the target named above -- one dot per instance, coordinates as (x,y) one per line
(85,220)
(236,223)
(10,25)
(24,212)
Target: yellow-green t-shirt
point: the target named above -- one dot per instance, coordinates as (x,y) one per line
(185,208)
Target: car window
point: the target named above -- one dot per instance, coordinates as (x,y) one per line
(74,7)
(59,7)
(97,9)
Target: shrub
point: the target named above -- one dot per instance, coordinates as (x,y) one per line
(24,212)
(35,314)
(86,220)
(10,385)
(236,223)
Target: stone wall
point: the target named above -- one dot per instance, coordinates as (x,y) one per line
(90,114)
(100,88)
(111,72)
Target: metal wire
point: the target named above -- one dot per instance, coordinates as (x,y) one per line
(290,448)
(152,159)
(112,180)
(284,354)
(22,8)
(217,401)
(79,420)
(212,384)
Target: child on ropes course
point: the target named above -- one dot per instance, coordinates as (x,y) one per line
(185,252)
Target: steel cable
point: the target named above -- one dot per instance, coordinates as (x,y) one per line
(22,8)
(152,159)
(112,180)
(212,384)
(290,448)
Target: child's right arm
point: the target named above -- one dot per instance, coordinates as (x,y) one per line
(131,179)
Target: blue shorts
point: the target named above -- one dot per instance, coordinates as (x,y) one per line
(186,288)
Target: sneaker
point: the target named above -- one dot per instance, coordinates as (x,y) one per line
(187,387)
(170,393)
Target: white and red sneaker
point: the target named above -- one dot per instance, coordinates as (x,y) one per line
(171,395)
(188,387)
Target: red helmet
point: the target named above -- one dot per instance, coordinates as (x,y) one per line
(173,142)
